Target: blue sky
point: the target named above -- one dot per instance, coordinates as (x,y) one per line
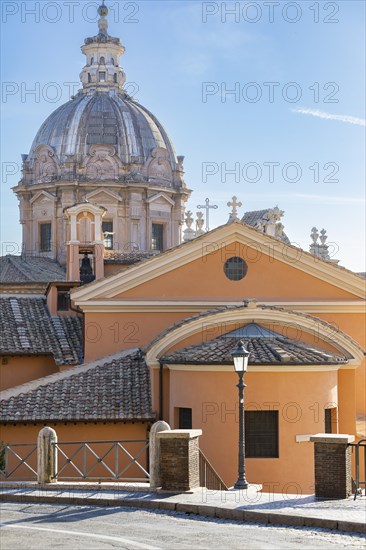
(182,59)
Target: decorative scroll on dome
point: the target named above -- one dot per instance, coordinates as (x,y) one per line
(159,166)
(45,166)
(102,163)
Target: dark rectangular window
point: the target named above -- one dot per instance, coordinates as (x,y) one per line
(330,421)
(261,434)
(107,227)
(63,300)
(185,419)
(45,237)
(157,237)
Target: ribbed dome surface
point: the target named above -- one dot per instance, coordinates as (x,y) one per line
(103,118)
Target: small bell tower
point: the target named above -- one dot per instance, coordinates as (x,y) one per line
(85,243)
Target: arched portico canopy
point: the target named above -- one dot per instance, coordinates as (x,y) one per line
(302,323)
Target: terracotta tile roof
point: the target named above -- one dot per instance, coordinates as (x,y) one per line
(26,328)
(116,390)
(18,269)
(265,347)
(127,258)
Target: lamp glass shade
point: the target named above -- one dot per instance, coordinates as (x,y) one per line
(240,358)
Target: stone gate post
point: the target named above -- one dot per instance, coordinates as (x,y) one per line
(154,452)
(46,456)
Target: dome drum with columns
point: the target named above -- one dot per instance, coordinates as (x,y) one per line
(104,148)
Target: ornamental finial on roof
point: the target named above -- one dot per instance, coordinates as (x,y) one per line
(189,234)
(234,205)
(103,23)
(320,250)
(199,224)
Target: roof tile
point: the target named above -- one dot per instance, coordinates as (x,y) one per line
(19,269)
(272,349)
(26,328)
(117,390)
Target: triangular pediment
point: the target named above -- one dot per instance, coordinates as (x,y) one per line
(160,198)
(42,196)
(193,267)
(103,196)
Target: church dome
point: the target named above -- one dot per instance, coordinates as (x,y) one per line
(102,133)
(101,118)
(102,148)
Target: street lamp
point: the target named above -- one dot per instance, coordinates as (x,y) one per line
(240,358)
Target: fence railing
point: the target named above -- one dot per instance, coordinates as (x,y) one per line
(102,460)
(209,478)
(360,479)
(18,459)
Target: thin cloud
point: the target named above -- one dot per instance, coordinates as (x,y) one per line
(326,199)
(328,116)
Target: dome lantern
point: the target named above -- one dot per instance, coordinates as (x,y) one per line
(102,71)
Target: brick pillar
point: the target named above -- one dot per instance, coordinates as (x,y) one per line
(179,459)
(332,458)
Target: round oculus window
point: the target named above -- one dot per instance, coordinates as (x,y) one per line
(235,268)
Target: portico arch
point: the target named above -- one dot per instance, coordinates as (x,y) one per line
(321,330)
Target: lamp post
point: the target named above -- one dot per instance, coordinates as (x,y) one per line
(240,358)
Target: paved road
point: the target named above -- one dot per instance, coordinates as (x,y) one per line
(55,526)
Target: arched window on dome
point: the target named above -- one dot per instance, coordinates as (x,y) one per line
(112,61)
(92,61)
(102,61)
(115,78)
(89,78)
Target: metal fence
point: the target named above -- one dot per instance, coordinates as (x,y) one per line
(360,456)
(125,460)
(18,460)
(209,478)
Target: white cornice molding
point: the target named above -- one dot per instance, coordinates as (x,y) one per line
(212,242)
(254,368)
(199,306)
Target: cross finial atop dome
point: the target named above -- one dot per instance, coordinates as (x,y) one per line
(102,70)
(103,23)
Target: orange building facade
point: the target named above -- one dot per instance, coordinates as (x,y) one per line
(184,299)
(109,323)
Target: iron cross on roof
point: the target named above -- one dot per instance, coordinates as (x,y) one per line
(207,207)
